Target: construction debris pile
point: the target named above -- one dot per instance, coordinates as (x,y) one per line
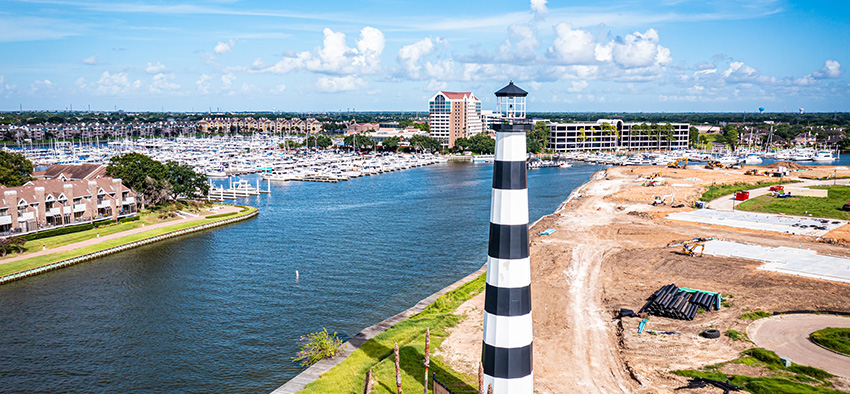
(680,303)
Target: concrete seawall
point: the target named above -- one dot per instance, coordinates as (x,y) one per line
(120,248)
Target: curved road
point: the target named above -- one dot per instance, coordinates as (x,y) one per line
(788,336)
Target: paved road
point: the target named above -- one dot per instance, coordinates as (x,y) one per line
(104,238)
(788,336)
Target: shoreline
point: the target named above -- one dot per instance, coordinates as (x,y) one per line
(314,372)
(66,262)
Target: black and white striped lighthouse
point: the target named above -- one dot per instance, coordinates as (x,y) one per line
(507,351)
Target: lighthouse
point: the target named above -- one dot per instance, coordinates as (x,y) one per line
(507,350)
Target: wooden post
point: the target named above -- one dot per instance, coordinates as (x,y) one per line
(397,369)
(489,389)
(427,356)
(480,378)
(367,387)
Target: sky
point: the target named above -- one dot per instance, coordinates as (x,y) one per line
(392,55)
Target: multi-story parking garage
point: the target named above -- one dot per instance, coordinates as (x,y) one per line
(612,134)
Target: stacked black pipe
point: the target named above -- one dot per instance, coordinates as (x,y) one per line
(673,302)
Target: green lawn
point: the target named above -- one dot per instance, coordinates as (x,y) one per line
(775,378)
(717,191)
(377,353)
(837,339)
(25,264)
(829,207)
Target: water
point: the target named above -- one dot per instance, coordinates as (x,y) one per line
(221,310)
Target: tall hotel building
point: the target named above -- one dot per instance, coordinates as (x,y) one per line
(454,115)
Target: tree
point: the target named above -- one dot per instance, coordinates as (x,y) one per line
(730,136)
(656,131)
(462,144)
(611,131)
(391,143)
(319,141)
(693,136)
(536,139)
(425,143)
(12,243)
(145,176)
(362,141)
(186,182)
(482,143)
(582,136)
(15,169)
(669,134)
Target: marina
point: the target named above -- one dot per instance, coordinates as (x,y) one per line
(125,321)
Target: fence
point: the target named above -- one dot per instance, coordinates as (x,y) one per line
(120,248)
(440,388)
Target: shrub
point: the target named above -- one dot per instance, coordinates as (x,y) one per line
(735,335)
(766,356)
(754,315)
(318,346)
(58,231)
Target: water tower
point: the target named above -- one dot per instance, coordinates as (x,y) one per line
(761,110)
(507,352)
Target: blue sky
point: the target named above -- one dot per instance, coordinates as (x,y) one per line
(632,56)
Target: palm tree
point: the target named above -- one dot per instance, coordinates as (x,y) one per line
(668,134)
(611,131)
(583,137)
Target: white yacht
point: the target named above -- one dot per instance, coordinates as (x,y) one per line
(752,158)
(824,155)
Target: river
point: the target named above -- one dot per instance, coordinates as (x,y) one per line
(222,311)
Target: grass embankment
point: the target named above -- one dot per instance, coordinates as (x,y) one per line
(37,261)
(717,191)
(775,377)
(828,207)
(377,353)
(837,339)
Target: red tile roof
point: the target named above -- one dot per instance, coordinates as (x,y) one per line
(456,95)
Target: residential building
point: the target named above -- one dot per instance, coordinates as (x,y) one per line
(43,204)
(612,134)
(454,115)
(489,118)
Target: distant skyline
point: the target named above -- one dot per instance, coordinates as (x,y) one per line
(604,56)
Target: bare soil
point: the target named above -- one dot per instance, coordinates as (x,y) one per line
(609,252)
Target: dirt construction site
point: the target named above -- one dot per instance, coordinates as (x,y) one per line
(610,251)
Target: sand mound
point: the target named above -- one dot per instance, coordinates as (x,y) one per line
(787,164)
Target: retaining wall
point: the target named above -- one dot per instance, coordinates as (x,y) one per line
(120,248)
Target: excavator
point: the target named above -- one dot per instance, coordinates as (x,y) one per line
(689,247)
(660,200)
(712,164)
(678,163)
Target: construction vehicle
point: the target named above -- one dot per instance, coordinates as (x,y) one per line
(660,200)
(712,164)
(751,172)
(689,247)
(679,163)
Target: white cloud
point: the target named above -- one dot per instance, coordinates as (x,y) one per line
(573,46)
(339,84)
(434,85)
(110,84)
(831,70)
(334,56)
(156,68)
(5,88)
(639,50)
(162,83)
(44,86)
(279,89)
(410,55)
(523,49)
(203,84)
(224,47)
(539,7)
(91,60)
(227,80)
(577,86)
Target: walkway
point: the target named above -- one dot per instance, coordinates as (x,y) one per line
(121,234)
(788,336)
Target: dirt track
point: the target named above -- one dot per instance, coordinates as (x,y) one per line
(609,252)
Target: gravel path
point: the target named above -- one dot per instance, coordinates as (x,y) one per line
(788,336)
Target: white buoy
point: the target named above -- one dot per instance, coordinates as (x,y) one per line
(296,275)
